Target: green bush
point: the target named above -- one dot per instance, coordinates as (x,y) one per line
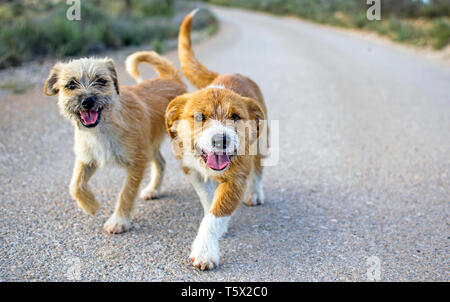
(152,8)
(40,28)
(440,33)
(396,16)
(158,45)
(404,32)
(359,20)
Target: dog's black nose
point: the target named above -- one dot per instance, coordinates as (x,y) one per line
(88,102)
(220,141)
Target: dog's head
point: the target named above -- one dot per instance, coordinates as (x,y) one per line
(215,125)
(86,89)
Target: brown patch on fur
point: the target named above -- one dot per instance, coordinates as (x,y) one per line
(186,170)
(112,69)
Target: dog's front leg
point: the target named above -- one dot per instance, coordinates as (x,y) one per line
(120,221)
(205,190)
(205,252)
(79,188)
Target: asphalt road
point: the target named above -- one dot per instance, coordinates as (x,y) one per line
(363,171)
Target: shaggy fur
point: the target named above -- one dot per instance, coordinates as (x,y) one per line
(129,127)
(226,104)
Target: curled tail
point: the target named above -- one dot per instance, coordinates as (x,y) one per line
(163,67)
(193,70)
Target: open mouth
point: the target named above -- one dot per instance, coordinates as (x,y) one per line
(90,118)
(215,161)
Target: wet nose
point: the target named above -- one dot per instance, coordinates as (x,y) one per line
(88,102)
(220,141)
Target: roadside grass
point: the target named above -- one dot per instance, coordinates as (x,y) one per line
(38,29)
(407,22)
(440,33)
(16,87)
(419,32)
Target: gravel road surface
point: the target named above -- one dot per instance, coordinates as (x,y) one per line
(363,171)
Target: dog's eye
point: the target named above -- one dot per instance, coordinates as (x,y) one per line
(235,117)
(100,82)
(71,85)
(199,117)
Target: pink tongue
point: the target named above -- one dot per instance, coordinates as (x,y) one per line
(89,117)
(217,162)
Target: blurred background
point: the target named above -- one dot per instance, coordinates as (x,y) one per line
(34,29)
(419,22)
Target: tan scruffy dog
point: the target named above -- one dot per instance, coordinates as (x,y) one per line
(209,130)
(123,126)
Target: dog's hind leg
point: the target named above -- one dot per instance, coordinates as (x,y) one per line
(152,190)
(120,221)
(254,194)
(79,188)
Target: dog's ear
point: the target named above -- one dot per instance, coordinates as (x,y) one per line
(173,112)
(112,71)
(257,115)
(50,87)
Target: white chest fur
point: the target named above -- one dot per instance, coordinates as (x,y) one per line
(97,145)
(193,162)
(204,185)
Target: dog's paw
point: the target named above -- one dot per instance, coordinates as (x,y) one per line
(204,264)
(205,255)
(254,200)
(147,194)
(85,199)
(117,224)
(89,208)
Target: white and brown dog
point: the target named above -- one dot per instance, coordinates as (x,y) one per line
(209,130)
(123,126)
